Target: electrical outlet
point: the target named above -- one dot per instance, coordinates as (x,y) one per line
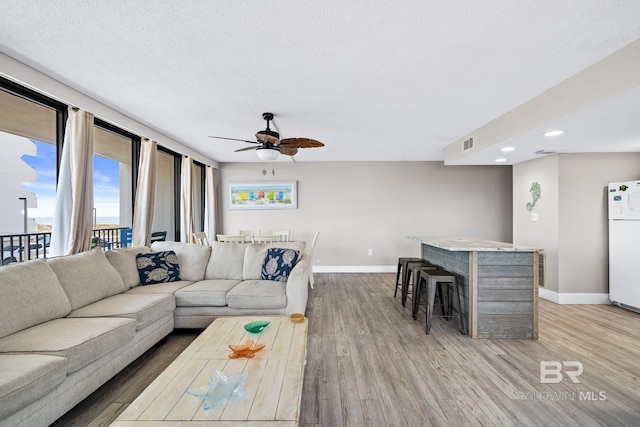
(534,216)
(370,252)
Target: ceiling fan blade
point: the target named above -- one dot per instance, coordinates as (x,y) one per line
(234,139)
(268,139)
(288,150)
(301,143)
(265,137)
(244,149)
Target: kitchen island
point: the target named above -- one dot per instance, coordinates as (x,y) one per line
(499,283)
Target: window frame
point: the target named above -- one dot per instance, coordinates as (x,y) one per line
(177,170)
(62,114)
(61,109)
(136,141)
(203,190)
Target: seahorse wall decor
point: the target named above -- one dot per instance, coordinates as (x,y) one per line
(535,194)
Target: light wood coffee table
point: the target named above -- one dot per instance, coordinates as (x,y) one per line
(273,386)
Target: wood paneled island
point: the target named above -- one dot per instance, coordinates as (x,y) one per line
(499,289)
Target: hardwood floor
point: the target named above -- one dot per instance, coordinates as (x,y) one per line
(369,363)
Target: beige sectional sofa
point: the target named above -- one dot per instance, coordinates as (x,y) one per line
(69,324)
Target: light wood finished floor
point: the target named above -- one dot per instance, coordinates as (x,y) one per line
(369,363)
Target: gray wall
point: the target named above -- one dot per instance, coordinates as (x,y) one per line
(572,226)
(358,206)
(544,232)
(584,237)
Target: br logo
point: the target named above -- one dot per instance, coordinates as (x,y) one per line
(551,372)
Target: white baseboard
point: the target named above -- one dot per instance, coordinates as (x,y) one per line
(354,268)
(560,298)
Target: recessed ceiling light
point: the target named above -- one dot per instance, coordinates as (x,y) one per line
(505,149)
(502,160)
(553,133)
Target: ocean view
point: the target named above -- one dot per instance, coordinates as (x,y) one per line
(99,220)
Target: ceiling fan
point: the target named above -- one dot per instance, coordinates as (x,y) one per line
(268,144)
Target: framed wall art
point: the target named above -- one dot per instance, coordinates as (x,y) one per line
(263,195)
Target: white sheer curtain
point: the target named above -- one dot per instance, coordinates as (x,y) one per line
(210,204)
(72,219)
(145,194)
(186,200)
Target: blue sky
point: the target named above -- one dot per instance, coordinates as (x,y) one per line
(106,182)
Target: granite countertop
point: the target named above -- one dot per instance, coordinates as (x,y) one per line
(471,244)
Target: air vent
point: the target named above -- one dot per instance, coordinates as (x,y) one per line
(467,144)
(543,152)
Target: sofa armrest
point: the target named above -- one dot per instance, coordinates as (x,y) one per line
(298,286)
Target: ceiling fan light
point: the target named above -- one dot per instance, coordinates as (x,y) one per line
(267,154)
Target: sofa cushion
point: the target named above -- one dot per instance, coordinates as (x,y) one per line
(158,267)
(255,253)
(278,263)
(87,277)
(205,293)
(226,261)
(30,293)
(259,294)
(80,341)
(144,308)
(25,378)
(124,261)
(192,258)
(160,288)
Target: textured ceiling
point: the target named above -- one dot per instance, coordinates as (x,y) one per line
(373,80)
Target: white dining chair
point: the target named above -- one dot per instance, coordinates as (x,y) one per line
(265,238)
(249,232)
(229,238)
(283,234)
(200,238)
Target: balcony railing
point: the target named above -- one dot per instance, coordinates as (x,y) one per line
(27,246)
(23,247)
(108,238)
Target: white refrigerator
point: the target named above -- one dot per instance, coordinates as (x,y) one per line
(624,244)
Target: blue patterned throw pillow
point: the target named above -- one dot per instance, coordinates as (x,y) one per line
(158,267)
(278,264)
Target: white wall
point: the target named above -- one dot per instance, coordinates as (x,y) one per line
(358,206)
(572,226)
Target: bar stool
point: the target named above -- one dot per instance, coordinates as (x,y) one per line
(431,279)
(406,277)
(414,269)
(420,288)
(402,267)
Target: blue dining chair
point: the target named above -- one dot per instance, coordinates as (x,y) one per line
(126,234)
